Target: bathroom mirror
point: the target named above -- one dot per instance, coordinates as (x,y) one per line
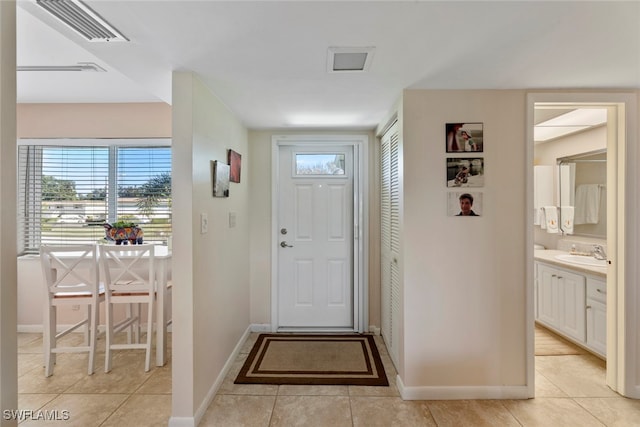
(582,181)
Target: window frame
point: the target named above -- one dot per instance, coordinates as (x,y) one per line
(29,244)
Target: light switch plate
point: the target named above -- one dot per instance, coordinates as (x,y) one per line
(232,219)
(204,223)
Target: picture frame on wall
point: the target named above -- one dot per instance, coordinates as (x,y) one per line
(465,171)
(220,179)
(235,165)
(464,204)
(464,137)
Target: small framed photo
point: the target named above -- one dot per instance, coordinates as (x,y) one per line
(220,179)
(465,172)
(235,165)
(464,137)
(464,204)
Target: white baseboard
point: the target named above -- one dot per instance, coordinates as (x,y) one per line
(374,329)
(261,327)
(182,422)
(218,382)
(37,329)
(30,329)
(192,422)
(634,392)
(461,392)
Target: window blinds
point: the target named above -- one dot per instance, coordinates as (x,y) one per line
(67,192)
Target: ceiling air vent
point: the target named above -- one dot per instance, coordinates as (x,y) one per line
(349,59)
(82,19)
(80,66)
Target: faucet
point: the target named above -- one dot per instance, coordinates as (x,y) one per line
(598,252)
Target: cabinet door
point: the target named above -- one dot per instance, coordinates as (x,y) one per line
(548,295)
(572,304)
(597,326)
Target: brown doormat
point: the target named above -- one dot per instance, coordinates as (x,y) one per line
(313,360)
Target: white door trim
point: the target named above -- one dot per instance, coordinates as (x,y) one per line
(623,304)
(360,218)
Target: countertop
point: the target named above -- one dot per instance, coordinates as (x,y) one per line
(549,257)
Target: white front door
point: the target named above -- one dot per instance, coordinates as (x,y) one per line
(315,236)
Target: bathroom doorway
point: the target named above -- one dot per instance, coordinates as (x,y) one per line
(548,115)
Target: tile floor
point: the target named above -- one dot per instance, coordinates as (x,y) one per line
(570,391)
(127,396)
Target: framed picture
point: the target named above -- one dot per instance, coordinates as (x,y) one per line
(220,179)
(465,172)
(235,163)
(464,137)
(464,204)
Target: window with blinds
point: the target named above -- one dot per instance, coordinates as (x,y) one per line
(68,190)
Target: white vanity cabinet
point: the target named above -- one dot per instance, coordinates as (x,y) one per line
(561,301)
(597,315)
(572,304)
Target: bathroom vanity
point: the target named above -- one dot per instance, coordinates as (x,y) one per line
(570,299)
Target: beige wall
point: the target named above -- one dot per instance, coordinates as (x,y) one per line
(133,120)
(8,296)
(260,223)
(210,271)
(464,278)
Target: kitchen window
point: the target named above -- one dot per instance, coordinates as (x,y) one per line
(67,189)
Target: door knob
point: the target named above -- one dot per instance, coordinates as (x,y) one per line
(285,245)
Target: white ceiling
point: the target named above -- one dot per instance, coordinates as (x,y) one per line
(266,60)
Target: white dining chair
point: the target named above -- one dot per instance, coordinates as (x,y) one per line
(71,277)
(129,277)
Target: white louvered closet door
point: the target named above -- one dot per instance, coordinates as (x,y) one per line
(390,240)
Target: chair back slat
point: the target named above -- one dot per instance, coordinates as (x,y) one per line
(128,269)
(70,269)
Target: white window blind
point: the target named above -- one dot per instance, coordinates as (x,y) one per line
(69,189)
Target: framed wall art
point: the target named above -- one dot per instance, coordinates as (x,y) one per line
(220,179)
(465,172)
(235,165)
(464,137)
(464,204)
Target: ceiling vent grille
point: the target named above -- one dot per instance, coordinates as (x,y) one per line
(82,19)
(80,66)
(349,59)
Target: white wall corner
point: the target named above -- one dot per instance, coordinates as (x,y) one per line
(461,392)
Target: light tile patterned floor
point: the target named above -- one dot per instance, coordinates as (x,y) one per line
(570,391)
(126,396)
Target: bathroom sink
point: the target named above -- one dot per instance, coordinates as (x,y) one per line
(582,260)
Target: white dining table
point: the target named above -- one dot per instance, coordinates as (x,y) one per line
(162,260)
(162,263)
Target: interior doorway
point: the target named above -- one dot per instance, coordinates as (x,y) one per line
(319,233)
(614,130)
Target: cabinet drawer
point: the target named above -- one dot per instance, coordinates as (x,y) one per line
(597,290)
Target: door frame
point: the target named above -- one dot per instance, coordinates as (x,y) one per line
(360,145)
(623,236)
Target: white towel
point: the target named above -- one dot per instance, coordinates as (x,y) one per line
(587,207)
(551,219)
(566,216)
(538,217)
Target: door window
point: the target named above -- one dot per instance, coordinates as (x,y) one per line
(319,164)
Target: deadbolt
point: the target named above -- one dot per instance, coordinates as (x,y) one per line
(283,231)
